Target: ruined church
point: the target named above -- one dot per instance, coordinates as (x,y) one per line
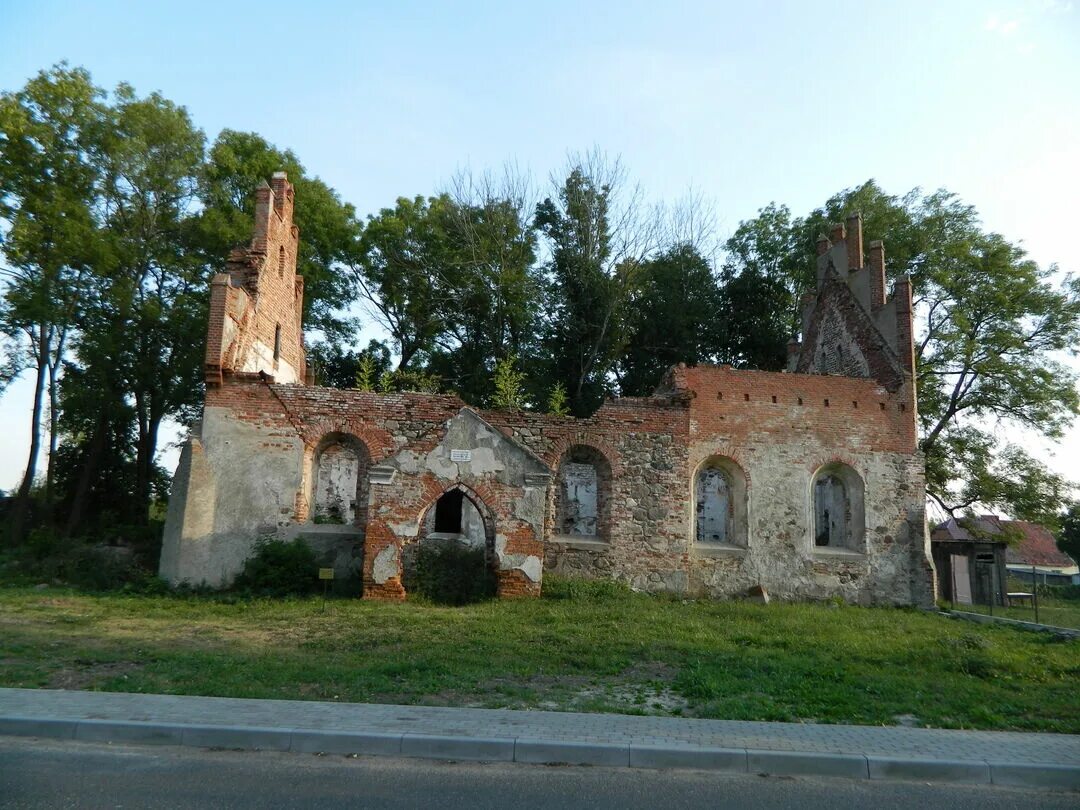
(807,482)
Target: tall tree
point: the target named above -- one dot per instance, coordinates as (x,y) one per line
(598,236)
(49,177)
(674,315)
(761,282)
(402,270)
(154,292)
(492,301)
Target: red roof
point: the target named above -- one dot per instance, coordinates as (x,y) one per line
(1037,547)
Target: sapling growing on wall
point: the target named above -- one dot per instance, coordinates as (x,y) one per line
(508,386)
(558,405)
(365,373)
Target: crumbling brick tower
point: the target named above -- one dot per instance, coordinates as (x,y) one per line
(256,306)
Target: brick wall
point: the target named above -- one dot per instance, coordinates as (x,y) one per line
(256,307)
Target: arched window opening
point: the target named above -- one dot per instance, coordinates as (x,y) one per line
(456,517)
(720,504)
(281,262)
(341,481)
(714,507)
(582,493)
(838,508)
(832,511)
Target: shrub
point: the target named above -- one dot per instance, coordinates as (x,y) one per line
(453,574)
(1067,592)
(86,563)
(279,568)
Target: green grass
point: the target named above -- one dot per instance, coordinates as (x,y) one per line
(589,647)
(1055,612)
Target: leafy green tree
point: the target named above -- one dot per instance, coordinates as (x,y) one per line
(558,404)
(752,322)
(401,271)
(339,367)
(96,464)
(597,243)
(674,315)
(413,381)
(452,279)
(153,289)
(1068,537)
(492,298)
(50,135)
(365,373)
(761,282)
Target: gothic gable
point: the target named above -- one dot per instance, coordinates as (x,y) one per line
(841,338)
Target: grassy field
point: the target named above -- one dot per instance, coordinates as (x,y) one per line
(581,647)
(1052,610)
(1056,612)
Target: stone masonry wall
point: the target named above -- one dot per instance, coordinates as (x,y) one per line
(258,442)
(780,429)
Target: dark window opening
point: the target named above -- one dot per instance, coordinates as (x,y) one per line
(277,342)
(831,511)
(448,512)
(281,262)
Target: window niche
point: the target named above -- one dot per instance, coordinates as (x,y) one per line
(838,509)
(454,516)
(340,480)
(583,494)
(720,519)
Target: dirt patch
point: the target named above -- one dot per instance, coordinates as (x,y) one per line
(641,689)
(627,698)
(85,674)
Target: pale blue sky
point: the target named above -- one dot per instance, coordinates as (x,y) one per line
(744,102)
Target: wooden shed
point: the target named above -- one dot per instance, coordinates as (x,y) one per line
(970,561)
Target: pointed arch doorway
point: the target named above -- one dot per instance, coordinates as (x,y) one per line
(457,533)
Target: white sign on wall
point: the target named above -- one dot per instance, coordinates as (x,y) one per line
(461,455)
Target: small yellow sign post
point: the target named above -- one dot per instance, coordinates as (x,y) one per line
(326,575)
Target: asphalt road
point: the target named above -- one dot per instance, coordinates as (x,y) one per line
(51,774)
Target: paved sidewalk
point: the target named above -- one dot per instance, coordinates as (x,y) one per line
(867,752)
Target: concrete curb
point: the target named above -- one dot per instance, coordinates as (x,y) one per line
(549,751)
(808,763)
(704,758)
(936,770)
(571,752)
